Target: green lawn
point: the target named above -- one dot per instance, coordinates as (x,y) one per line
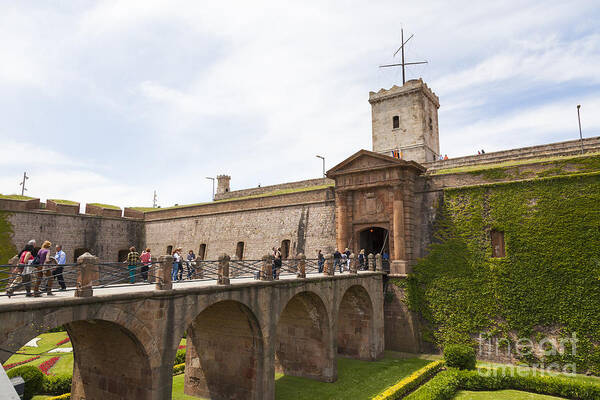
(502,395)
(356,380)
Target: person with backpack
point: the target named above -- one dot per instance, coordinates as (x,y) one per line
(42,272)
(22,277)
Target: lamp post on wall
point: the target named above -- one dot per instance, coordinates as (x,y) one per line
(579,120)
(322,158)
(213,185)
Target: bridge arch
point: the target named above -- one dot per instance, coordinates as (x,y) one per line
(355,325)
(225,353)
(110,349)
(304,343)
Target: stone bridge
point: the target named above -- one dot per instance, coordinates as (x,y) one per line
(238,335)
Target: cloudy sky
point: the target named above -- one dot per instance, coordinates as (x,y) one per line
(107,101)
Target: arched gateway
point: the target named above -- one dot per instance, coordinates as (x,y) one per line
(374,193)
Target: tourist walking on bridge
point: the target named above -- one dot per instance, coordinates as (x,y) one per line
(176,265)
(145,258)
(61,259)
(42,271)
(337,258)
(320,261)
(190,264)
(22,276)
(133,258)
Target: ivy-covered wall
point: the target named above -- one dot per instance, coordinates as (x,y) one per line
(7,248)
(548,283)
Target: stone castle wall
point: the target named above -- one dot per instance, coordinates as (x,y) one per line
(101,236)
(308,227)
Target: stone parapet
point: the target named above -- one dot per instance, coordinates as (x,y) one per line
(570,147)
(19,205)
(94,209)
(133,213)
(62,208)
(272,188)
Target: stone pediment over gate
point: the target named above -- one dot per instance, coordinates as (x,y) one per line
(365,160)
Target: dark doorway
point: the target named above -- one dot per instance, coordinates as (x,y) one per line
(285,249)
(375,240)
(123,255)
(169,250)
(79,252)
(202,251)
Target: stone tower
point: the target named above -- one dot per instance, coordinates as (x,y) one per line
(223,183)
(406,119)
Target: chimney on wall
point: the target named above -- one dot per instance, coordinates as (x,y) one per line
(223,184)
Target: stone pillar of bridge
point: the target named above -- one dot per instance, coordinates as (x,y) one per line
(301,266)
(87,273)
(163,273)
(225,355)
(223,278)
(266,274)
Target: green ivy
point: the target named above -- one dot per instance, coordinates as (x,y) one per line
(549,279)
(7,248)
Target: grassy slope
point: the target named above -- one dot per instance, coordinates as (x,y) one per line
(356,380)
(15,197)
(510,163)
(108,206)
(67,202)
(502,395)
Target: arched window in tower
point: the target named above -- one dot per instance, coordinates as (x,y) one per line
(430,124)
(396,122)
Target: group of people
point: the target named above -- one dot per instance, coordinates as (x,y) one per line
(134,259)
(37,263)
(178,263)
(341,261)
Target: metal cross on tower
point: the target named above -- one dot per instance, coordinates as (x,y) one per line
(403,64)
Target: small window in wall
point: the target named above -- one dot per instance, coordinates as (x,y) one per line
(396,122)
(430,124)
(285,248)
(498,249)
(169,250)
(202,251)
(239,251)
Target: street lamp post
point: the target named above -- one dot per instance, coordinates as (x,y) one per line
(213,185)
(580,135)
(322,158)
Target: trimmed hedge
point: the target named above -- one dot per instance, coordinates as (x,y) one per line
(460,356)
(66,396)
(411,382)
(33,377)
(446,384)
(57,385)
(179,369)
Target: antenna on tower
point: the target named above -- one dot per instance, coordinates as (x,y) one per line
(403,64)
(22,184)
(155,200)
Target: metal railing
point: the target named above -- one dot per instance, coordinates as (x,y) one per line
(89,273)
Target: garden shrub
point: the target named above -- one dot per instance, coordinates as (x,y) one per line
(445,385)
(460,356)
(179,357)
(411,382)
(178,369)
(33,377)
(57,385)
